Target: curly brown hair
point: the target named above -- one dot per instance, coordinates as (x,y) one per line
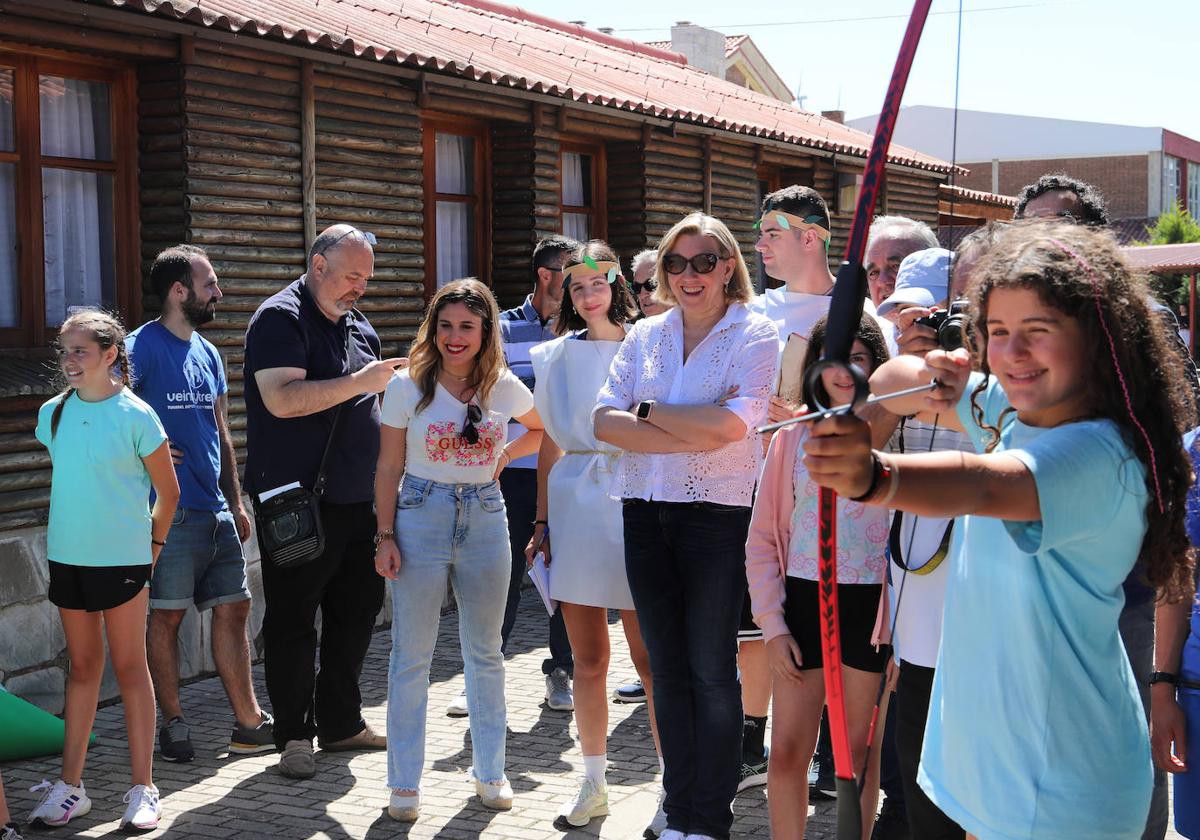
(1032,256)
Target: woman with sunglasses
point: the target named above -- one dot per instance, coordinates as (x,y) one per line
(440,516)
(644,284)
(683,397)
(587,565)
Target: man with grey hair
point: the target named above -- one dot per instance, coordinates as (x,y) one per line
(891,239)
(313,375)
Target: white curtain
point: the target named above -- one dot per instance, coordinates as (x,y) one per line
(77,207)
(455,156)
(6,111)
(572,180)
(10,299)
(454,241)
(575,225)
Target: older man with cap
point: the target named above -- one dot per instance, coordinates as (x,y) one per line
(313,374)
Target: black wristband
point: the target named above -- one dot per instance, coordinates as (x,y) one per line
(1163,677)
(876,473)
(156,542)
(540,522)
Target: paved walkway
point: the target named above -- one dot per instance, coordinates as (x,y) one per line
(221,797)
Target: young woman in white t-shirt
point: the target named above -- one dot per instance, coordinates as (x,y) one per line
(441,517)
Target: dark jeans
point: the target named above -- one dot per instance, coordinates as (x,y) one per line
(1137,633)
(687,567)
(343,583)
(890,781)
(925,820)
(519,487)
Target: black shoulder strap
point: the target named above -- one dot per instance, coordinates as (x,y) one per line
(319,484)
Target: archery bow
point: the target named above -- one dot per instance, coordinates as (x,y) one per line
(845,313)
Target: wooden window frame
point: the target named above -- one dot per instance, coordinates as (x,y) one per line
(33,332)
(597,213)
(431,126)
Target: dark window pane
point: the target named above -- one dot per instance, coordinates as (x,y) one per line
(6,110)
(75,118)
(10,286)
(80,259)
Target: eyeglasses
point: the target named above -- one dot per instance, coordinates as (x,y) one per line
(649,286)
(701,263)
(367,236)
(469,433)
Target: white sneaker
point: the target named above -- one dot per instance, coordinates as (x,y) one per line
(700,837)
(495,795)
(404,807)
(658,825)
(672,834)
(144,810)
(591,801)
(458,706)
(60,804)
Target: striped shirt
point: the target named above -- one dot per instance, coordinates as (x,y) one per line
(522,329)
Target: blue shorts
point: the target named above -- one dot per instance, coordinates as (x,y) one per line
(202,563)
(1187,785)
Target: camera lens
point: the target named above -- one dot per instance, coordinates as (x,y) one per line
(950,333)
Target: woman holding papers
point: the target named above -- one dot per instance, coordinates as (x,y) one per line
(440,516)
(587,563)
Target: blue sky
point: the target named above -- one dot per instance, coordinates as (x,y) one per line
(1100,60)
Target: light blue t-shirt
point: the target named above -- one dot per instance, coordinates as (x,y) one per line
(181,380)
(99,490)
(1035,726)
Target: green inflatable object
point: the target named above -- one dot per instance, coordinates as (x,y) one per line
(26,731)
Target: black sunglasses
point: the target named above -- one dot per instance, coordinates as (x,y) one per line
(469,433)
(701,263)
(649,286)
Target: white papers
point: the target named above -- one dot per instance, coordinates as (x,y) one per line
(267,494)
(539,573)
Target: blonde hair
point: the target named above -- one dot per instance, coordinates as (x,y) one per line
(737,288)
(425,362)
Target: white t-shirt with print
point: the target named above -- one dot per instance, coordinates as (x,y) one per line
(436,450)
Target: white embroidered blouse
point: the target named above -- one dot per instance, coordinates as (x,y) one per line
(742,349)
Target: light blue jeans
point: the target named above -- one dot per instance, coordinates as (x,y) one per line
(455,532)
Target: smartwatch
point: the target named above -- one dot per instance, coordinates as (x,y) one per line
(643,409)
(1164,677)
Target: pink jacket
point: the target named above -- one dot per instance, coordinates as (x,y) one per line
(771,534)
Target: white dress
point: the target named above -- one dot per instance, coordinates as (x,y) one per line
(586,529)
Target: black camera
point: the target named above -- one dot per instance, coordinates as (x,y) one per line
(951,327)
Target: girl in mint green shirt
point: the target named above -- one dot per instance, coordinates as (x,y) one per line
(1035,726)
(107,449)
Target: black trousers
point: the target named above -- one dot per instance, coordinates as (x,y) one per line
(343,583)
(926,820)
(519,487)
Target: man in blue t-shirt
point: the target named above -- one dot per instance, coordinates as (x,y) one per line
(181,375)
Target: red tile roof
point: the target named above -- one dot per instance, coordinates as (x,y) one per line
(964,194)
(509,47)
(1165,259)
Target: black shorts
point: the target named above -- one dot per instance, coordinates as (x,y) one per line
(748,631)
(858,604)
(96,588)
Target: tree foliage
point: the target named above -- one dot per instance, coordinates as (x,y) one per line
(1174,227)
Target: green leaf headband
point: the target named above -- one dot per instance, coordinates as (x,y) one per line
(789,220)
(609,268)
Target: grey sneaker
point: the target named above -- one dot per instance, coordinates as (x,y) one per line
(753,773)
(591,801)
(558,691)
(10,832)
(252,740)
(296,760)
(175,740)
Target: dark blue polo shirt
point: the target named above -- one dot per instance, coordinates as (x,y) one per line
(289,331)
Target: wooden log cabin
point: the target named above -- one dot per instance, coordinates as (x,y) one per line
(457,132)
